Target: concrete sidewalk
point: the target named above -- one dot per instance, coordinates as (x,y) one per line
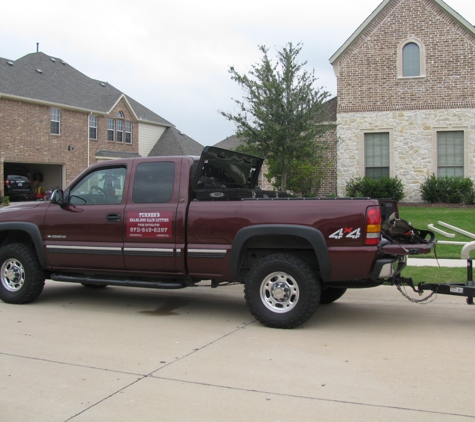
(427,262)
(119,354)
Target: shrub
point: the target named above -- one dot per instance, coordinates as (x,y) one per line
(384,187)
(450,190)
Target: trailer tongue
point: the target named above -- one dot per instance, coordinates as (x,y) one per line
(466,289)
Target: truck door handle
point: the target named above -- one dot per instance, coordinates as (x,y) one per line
(113,218)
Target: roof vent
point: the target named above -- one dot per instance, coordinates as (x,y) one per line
(103,84)
(39,70)
(63,62)
(9,63)
(53,60)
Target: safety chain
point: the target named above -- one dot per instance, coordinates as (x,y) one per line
(402,290)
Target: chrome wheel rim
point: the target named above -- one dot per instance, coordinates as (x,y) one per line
(279,292)
(12,275)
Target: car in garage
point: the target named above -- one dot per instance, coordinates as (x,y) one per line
(17,184)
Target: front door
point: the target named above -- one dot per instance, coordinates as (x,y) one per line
(88,233)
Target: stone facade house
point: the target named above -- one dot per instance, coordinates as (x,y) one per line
(56,121)
(406,95)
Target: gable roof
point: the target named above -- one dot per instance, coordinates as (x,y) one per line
(231,143)
(48,80)
(173,142)
(370,19)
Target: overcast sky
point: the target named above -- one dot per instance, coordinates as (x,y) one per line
(174,56)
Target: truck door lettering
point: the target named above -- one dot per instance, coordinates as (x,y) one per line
(149,224)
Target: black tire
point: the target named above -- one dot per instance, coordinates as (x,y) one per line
(282,291)
(330,294)
(21,277)
(94,286)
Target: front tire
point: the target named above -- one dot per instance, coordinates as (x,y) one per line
(21,277)
(282,291)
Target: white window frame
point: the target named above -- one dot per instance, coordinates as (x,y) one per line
(55,117)
(120,131)
(93,126)
(111,129)
(128,132)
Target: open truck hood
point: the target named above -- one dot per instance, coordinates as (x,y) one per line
(226,169)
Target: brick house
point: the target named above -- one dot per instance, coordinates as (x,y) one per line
(57,121)
(406,95)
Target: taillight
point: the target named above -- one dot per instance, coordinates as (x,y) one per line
(7,182)
(373,226)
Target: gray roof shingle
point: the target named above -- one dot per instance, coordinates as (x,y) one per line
(43,78)
(173,142)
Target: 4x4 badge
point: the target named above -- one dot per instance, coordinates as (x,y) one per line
(346,232)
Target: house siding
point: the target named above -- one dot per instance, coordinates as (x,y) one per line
(26,137)
(103,144)
(149,135)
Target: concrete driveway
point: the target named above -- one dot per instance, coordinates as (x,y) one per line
(118,354)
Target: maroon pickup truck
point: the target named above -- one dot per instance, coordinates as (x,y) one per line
(171,222)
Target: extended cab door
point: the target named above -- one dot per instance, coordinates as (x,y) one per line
(88,233)
(151,217)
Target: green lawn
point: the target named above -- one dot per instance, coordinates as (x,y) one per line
(463,218)
(420,217)
(435,274)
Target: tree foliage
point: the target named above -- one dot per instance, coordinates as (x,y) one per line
(281,117)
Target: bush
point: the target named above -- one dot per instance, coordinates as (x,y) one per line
(384,187)
(450,190)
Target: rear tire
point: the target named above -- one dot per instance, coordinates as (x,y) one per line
(282,291)
(330,294)
(21,276)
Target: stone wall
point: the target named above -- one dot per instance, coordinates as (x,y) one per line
(412,137)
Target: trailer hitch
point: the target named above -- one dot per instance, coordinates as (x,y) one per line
(466,289)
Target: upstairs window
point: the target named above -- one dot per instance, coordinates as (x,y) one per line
(110,129)
(450,154)
(55,121)
(411,60)
(128,132)
(377,155)
(120,131)
(92,127)
(116,128)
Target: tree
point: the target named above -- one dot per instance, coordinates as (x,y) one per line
(281,117)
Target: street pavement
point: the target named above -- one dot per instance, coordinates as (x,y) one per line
(118,354)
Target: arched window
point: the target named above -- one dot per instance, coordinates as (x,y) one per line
(411,60)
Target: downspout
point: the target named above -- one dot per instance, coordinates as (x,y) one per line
(88,140)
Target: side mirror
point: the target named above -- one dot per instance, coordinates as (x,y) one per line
(57,197)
